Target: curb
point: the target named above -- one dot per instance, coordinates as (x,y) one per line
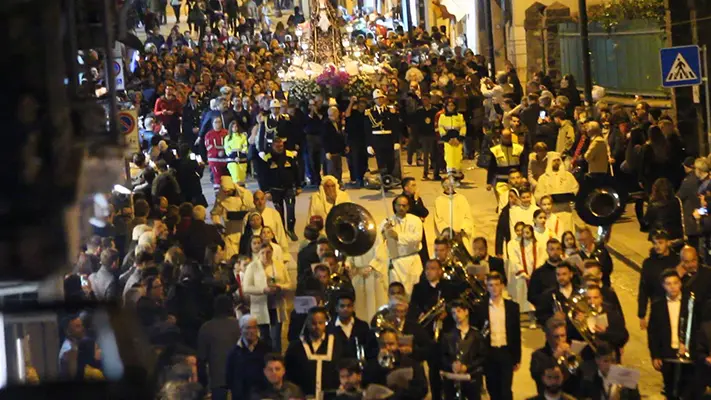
(626,260)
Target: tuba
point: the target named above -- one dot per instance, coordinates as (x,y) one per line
(350,229)
(600,202)
(383,319)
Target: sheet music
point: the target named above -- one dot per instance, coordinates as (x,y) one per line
(302,304)
(455,377)
(626,377)
(577,346)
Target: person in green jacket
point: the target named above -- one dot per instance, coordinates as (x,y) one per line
(236,147)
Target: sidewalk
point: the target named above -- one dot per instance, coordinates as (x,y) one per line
(626,242)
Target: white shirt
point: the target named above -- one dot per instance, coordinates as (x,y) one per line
(497,323)
(434,284)
(347,328)
(606,384)
(674,308)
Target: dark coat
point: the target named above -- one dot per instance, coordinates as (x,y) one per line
(593,388)
(503,231)
(544,357)
(244,368)
(602,256)
(658,330)
(361,330)
(417,388)
(302,371)
(305,258)
(690,201)
(513,326)
(197,238)
(665,216)
(334,140)
(542,279)
(650,282)
(471,351)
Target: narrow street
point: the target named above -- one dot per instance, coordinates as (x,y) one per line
(625,278)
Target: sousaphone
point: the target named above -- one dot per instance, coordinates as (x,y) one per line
(350,229)
(601,201)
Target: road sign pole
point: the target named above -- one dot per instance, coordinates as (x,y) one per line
(707,100)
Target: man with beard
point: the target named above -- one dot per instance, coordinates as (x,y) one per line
(375,373)
(542,360)
(552,379)
(168,110)
(543,278)
(660,258)
(559,295)
(694,278)
(418,209)
(506,157)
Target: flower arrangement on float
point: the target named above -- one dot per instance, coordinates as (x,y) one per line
(360,85)
(303,89)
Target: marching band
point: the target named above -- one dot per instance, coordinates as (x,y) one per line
(452,330)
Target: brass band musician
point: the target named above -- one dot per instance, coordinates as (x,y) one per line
(556,350)
(463,352)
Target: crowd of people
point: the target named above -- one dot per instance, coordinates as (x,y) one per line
(213,293)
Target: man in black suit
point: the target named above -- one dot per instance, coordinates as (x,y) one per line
(480,252)
(463,352)
(425,295)
(556,347)
(375,373)
(353,332)
(503,357)
(543,278)
(595,385)
(702,356)
(422,343)
(666,343)
(695,279)
(650,287)
(589,249)
(553,382)
(592,276)
(615,333)
(315,347)
(308,255)
(559,295)
(529,117)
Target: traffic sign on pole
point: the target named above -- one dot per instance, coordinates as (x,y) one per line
(128,126)
(681,66)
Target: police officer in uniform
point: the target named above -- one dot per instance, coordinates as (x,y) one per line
(282,182)
(274,125)
(382,133)
(506,157)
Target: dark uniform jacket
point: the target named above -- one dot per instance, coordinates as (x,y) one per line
(415,390)
(283,172)
(650,282)
(302,371)
(382,127)
(513,326)
(270,128)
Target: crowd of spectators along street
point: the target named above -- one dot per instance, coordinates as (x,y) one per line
(213,87)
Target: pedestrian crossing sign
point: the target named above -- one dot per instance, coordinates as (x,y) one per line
(681,66)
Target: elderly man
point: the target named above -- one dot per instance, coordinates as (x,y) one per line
(328,195)
(695,278)
(246,360)
(402,239)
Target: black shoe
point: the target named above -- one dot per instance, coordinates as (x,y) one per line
(425,177)
(292,236)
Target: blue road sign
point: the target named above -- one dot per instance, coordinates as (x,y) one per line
(681,66)
(126,123)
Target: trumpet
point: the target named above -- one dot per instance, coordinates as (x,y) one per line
(570,361)
(386,359)
(431,314)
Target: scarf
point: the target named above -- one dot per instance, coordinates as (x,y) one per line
(523,256)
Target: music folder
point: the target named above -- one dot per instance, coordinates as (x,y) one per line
(236,215)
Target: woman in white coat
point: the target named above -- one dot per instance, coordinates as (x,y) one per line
(526,254)
(328,195)
(267,282)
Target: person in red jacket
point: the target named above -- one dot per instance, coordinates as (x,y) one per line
(168,109)
(216,157)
